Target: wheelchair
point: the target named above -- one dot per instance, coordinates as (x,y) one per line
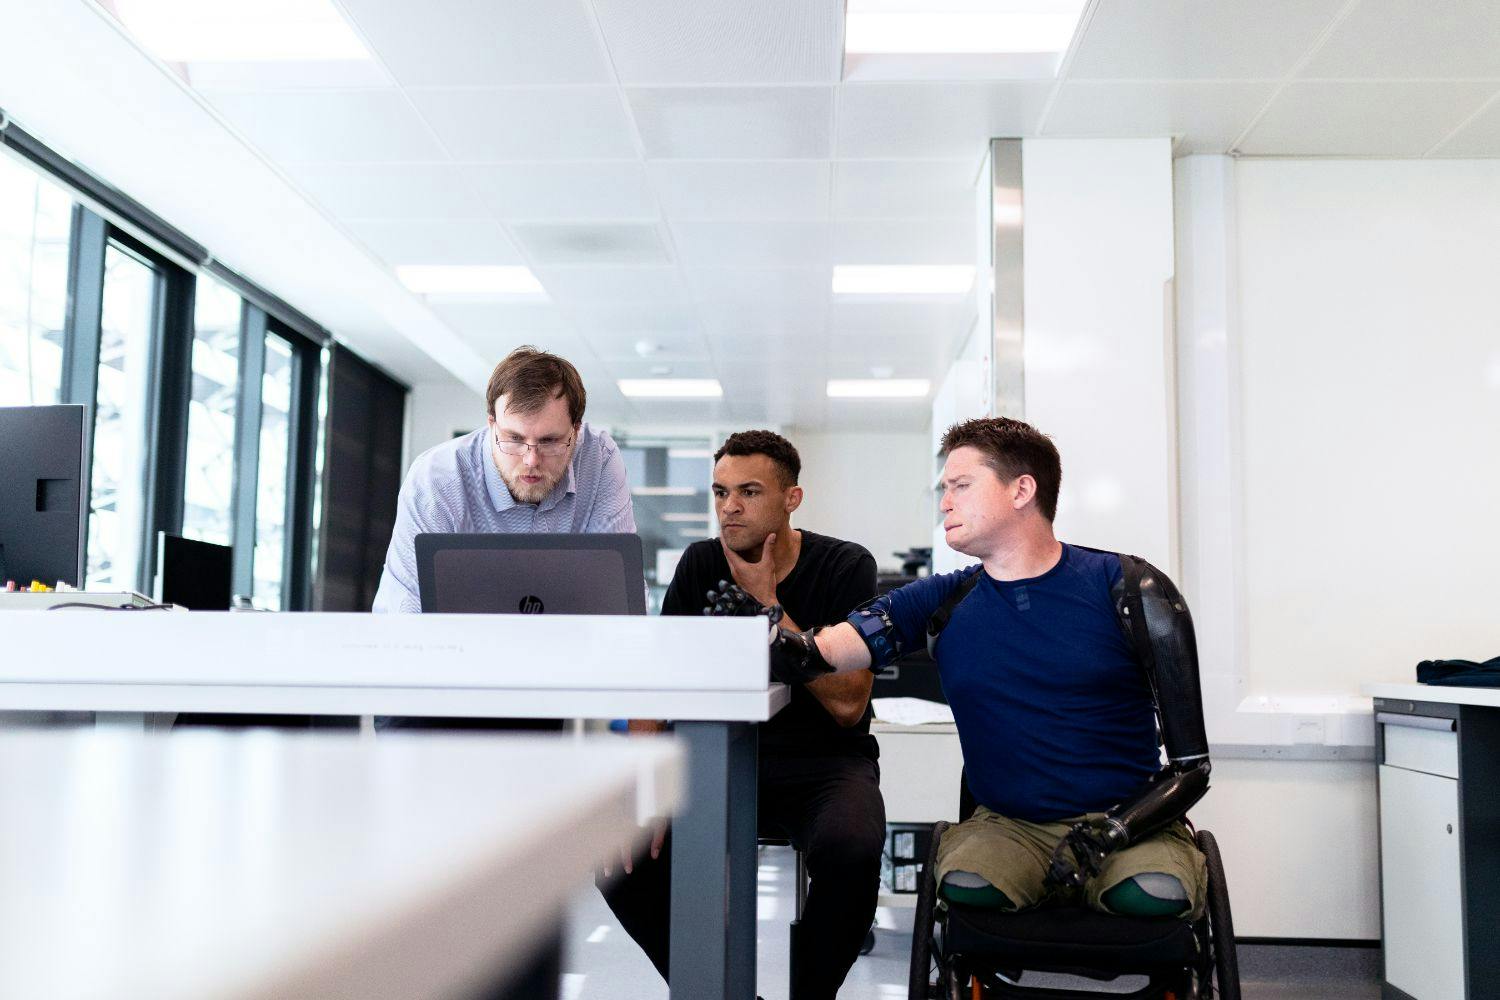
(967,953)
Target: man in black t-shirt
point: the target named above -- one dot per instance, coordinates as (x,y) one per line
(819,780)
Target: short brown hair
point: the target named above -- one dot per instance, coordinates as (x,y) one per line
(1013,448)
(770,444)
(530,379)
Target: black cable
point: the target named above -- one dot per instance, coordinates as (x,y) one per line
(111,607)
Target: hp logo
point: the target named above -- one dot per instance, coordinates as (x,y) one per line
(531,605)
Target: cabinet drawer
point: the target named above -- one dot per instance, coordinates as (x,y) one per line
(1432,751)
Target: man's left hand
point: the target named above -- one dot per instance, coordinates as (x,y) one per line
(1080,854)
(758,579)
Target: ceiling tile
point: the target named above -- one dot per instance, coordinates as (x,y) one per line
(1403,39)
(906,241)
(206,77)
(436,241)
(390,191)
(736,123)
(722,41)
(905,189)
(589,285)
(764,189)
(565,191)
(483,42)
(1312,118)
(1192,40)
(1479,138)
(636,320)
(602,243)
(753,244)
(346,126)
(1208,115)
(798,286)
(524,317)
(922,320)
(935,120)
(529,123)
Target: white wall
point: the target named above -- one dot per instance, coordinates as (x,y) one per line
(1371,405)
(435,410)
(1339,372)
(1098,258)
(874,489)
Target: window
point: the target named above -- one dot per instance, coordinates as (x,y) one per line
(208,487)
(35,216)
(117,492)
(274,472)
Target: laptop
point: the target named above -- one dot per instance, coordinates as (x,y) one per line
(531,574)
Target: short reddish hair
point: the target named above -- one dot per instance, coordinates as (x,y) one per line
(529,379)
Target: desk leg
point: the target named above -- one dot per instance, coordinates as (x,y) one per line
(713,865)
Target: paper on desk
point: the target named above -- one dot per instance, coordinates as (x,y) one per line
(910,711)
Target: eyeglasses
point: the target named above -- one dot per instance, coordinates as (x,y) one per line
(547,448)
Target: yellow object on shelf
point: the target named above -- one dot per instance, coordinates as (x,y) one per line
(38,587)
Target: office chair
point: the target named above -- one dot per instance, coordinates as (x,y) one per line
(967,952)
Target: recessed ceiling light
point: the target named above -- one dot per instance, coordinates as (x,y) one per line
(878,388)
(921,279)
(662,491)
(690,453)
(671,388)
(684,517)
(190,31)
(469,279)
(959,27)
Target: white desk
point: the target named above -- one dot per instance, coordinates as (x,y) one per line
(1439,755)
(709,674)
(267,865)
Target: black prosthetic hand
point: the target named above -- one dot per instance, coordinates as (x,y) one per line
(1081,853)
(795,658)
(733,601)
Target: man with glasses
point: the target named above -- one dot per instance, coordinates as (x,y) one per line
(535,467)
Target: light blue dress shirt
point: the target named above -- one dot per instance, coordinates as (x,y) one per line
(455,487)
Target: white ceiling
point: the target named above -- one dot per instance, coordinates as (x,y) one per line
(688,172)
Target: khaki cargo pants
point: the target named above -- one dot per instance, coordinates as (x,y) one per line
(1013,856)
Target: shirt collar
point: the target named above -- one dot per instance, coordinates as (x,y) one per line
(500,493)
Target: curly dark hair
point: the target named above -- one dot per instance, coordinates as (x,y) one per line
(1013,448)
(768,443)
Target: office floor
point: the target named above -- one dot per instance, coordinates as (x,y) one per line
(602,963)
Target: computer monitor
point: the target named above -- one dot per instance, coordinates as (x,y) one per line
(531,574)
(196,575)
(43,495)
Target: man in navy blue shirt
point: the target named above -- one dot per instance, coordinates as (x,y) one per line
(1054,712)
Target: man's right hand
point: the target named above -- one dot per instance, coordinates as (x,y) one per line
(795,657)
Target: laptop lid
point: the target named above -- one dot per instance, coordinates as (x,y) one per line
(531,574)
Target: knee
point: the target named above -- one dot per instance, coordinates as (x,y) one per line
(851,851)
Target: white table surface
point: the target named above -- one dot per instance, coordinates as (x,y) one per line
(1435,693)
(505,666)
(260,865)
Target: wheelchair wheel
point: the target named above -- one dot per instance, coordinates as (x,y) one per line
(920,985)
(1226,963)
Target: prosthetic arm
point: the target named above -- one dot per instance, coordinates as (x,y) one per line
(795,657)
(1156,622)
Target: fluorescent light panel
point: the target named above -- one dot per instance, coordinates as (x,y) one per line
(685,517)
(878,388)
(663,491)
(960,27)
(468,279)
(911,279)
(191,31)
(671,388)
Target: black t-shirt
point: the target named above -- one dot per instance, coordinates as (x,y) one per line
(831,579)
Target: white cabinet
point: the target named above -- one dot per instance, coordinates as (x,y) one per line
(1421,881)
(920,767)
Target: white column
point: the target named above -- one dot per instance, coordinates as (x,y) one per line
(1099,264)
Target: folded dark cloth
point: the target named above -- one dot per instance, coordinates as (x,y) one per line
(1460,673)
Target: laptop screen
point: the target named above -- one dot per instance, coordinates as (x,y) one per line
(531,574)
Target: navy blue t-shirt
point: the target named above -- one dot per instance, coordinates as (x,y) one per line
(1054,714)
